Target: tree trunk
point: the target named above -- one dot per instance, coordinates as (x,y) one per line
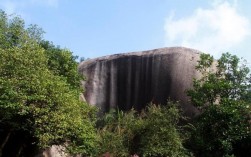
(20,150)
(4,142)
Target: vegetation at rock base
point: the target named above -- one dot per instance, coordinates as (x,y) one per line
(39,94)
(223,95)
(222,128)
(152,133)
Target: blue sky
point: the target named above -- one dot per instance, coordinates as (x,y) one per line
(93,28)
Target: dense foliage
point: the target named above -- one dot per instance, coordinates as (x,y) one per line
(223,95)
(39,94)
(61,62)
(152,133)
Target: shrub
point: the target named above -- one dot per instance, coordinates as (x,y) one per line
(153,132)
(160,135)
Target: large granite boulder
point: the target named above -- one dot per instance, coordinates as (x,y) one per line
(135,79)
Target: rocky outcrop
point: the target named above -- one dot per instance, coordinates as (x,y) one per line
(135,79)
(56,151)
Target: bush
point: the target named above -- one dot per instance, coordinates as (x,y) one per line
(160,135)
(118,132)
(221,131)
(153,132)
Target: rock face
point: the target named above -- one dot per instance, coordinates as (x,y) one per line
(55,151)
(138,78)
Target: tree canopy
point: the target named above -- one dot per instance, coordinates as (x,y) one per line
(223,95)
(39,93)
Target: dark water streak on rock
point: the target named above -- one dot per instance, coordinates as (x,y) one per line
(135,79)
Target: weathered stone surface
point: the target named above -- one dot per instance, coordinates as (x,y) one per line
(55,151)
(135,79)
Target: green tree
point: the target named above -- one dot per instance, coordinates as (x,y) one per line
(222,95)
(61,62)
(38,107)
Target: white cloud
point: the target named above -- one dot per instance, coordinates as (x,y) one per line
(213,30)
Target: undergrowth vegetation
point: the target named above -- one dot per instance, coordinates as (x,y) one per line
(152,132)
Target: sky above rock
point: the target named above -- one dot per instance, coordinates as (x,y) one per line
(93,28)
